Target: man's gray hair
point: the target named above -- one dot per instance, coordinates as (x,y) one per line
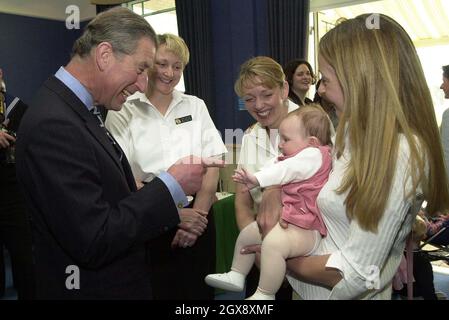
(118,26)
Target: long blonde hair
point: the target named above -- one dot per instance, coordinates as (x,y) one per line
(385,94)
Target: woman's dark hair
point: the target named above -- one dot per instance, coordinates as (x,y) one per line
(289,71)
(291,66)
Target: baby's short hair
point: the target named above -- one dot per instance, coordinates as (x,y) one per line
(315,121)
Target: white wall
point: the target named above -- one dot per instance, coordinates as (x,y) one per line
(49,9)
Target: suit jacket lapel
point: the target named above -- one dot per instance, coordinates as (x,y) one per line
(92,125)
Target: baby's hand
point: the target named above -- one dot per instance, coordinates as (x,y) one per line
(246,178)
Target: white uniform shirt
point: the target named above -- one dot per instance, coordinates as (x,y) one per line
(153,142)
(366,260)
(257,150)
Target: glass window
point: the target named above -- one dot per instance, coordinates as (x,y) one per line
(423,20)
(138,8)
(161,14)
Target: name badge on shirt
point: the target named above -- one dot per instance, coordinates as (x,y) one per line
(183,119)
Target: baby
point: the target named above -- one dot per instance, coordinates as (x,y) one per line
(302,170)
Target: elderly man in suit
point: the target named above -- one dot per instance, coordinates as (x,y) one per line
(90,225)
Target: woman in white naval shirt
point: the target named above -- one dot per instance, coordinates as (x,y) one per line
(154,130)
(388,158)
(263,88)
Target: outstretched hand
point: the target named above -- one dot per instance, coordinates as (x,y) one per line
(209,162)
(189,171)
(244,177)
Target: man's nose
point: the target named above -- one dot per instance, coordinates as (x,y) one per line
(142,82)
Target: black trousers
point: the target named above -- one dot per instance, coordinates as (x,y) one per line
(423,273)
(178,274)
(15,233)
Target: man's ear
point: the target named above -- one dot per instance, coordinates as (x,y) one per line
(103,55)
(314,141)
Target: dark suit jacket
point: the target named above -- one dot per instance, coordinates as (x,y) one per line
(83,202)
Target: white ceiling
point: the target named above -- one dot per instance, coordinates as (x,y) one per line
(49,9)
(426,21)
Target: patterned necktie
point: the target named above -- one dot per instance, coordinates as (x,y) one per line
(117,148)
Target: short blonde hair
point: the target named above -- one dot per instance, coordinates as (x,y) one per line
(175,45)
(259,71)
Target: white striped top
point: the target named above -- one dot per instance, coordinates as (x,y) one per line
(362,256)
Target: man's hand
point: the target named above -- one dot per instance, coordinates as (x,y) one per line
(189,172)
(193,221)
(183,239)
(5,139)
(246,178)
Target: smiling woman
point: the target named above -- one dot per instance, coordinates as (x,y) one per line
(299,75)
(261,84)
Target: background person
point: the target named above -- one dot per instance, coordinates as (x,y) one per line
(299,75)
(444,130)
(15,232)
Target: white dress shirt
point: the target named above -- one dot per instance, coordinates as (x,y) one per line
(153,142)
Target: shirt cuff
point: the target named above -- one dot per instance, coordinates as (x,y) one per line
(335,261)
(175,189)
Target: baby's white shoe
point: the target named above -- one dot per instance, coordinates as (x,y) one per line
(259,295)
(229,281)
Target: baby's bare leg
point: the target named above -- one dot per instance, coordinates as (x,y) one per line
(279,245)
(243,263)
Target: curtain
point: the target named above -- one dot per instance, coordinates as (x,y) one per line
(288,23)
(194,26)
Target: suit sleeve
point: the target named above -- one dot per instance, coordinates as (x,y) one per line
(63,174)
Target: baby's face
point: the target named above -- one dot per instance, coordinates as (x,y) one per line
(292,137)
